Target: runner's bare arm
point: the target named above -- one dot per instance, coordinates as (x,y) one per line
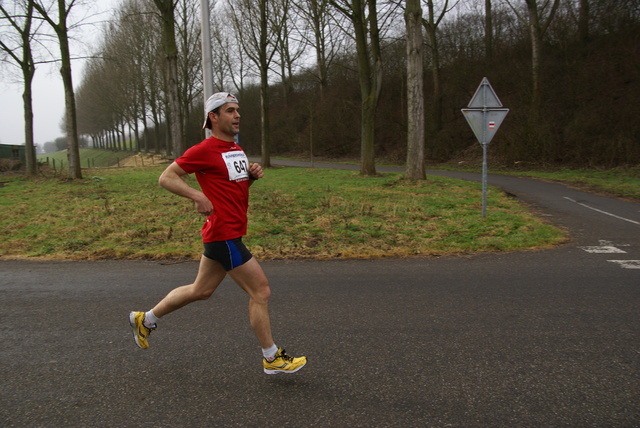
(171,179)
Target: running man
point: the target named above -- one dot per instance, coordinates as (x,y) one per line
(224,174)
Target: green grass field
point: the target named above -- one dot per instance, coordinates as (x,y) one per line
(294,213)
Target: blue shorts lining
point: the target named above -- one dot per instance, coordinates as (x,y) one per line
(230,254)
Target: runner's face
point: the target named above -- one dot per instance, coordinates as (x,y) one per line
(227,121)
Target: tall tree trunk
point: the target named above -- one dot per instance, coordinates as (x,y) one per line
(136,132)
(415,168)
(431,27)
(536,42)
(156,129)
(73,148)
(583,22)
(28,71)
(174,113)
(369,71)
(143,118)
(264,87)
(368,159)
(71,125)
(264,123)
(488,30)
(315,13)
(25,62)
(30,150)
(321,58)
(537,28)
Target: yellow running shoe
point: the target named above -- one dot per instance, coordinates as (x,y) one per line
(283,363)
(140,331)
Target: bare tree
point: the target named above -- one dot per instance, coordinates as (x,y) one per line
(599,82)
(290,47)
(431,23)
(134,42)
(123,82)
(60,26)
(93,114)
(233,68)
(122,65)
(488,30)
(363,15)
(20,21)
(325,35)
(538,19)
(259,39)
(150,52)
(170,47)
(189,60)
(415,168)
(583,22)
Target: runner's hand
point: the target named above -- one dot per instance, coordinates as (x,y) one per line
(255,171)
(204,206)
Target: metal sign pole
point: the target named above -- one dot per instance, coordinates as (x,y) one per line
(484,180)
(484,115)
(483,143)
(484,150)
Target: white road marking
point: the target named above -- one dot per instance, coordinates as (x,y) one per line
(603,249)
(605,242)
(608,247)
(602,212)
(627,264)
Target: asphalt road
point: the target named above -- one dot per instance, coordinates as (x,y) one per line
(528,339)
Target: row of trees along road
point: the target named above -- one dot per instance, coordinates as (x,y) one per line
(379,79)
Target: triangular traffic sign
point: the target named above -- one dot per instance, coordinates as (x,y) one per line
(485,122)
(485,96)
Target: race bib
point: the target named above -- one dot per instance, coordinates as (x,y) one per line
(237,165)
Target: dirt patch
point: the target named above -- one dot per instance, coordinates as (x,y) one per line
(144,159)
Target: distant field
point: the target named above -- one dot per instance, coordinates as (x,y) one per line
(89,158)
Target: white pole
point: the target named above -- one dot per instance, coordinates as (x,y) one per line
(207,73)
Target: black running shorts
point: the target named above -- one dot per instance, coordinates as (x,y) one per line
(230,254)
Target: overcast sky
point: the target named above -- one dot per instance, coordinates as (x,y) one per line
(48,90)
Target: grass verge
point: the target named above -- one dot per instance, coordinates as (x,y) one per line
(618,182)
(294,213)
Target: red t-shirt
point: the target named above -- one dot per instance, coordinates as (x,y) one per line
(222,169)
